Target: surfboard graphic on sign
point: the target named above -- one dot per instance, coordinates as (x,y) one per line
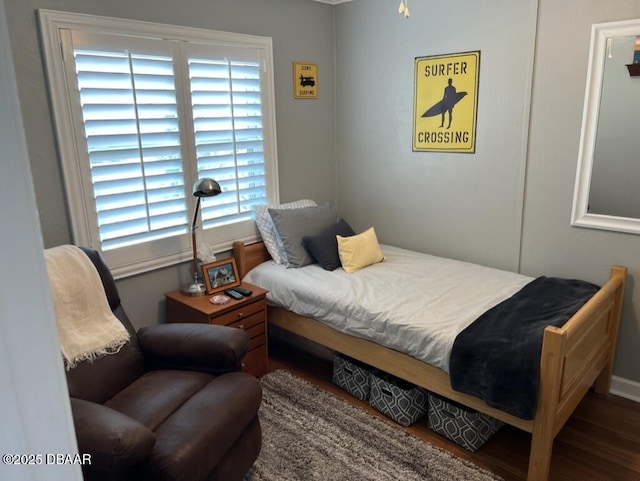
(445,104)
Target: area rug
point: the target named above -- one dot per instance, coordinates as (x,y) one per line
(309,434)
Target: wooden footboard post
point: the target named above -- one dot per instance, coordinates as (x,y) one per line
(544,427)
(603,382)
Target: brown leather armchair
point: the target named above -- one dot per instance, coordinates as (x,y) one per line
(170,405)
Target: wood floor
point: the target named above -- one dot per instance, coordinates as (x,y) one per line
(601,441)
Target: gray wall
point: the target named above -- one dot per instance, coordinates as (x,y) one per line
(465,206)
(301,31)
(549,245)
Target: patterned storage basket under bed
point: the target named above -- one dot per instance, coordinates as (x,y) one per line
(465,427)
(400,400)
(351,375)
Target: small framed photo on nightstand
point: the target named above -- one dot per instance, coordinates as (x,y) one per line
(220,275)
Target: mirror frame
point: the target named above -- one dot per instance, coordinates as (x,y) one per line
(580,217)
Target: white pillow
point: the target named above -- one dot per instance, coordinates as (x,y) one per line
(270,237)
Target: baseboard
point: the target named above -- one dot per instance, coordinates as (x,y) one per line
(625,388)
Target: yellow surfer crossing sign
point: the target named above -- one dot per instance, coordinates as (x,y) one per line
(446,102)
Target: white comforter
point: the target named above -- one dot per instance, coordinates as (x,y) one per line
(412,302)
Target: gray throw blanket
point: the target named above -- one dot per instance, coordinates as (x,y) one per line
(497,357)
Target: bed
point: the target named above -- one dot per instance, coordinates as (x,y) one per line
(573,358)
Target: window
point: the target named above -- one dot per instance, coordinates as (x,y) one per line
(142,111)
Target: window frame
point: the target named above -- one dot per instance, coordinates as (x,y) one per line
(149,255)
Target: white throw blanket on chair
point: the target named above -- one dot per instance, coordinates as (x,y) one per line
(87,328)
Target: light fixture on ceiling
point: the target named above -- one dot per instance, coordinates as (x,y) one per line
(403,8)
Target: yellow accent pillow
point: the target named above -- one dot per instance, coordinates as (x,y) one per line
(359,251)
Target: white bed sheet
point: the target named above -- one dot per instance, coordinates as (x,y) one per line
(412,302)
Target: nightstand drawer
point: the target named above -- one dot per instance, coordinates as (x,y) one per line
(247,323)
(240,313)
(255,331)
(257,341)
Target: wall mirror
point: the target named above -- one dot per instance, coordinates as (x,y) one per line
(607,188)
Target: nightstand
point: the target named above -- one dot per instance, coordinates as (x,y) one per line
(249,313)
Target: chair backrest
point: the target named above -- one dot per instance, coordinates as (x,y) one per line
(100,380)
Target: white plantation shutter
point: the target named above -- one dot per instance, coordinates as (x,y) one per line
(227,121)
(129,107)
(142,111)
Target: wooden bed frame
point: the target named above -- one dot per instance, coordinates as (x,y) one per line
(574,358)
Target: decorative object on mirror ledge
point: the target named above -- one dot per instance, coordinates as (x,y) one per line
(202,188)
(634,69)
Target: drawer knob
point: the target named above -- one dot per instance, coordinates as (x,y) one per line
(240,314)
(242,365)
(241,326)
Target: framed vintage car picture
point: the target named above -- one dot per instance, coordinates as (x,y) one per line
(305,80)
(220,275)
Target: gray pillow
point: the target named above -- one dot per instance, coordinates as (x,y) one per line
(324,246)
(268,232)
(294,224)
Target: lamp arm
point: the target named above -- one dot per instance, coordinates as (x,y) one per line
(193,241)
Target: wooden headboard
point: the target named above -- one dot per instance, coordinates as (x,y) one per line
(249,256)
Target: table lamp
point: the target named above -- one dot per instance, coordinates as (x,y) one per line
(202,188)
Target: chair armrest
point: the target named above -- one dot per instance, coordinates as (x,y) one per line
(113,439)
(195,347)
